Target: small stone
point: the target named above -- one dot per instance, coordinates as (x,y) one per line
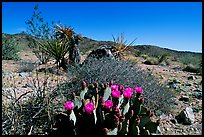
(188,84)
(176,81)
(199,127)
(24,74)
(198,90)
(184,89)
(174,121)
(191,78)
(174,86)
(184,98)
(195,109)
(197,95)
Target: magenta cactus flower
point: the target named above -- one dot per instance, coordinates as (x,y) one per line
(114,87)
(139,90)
(69,105)
(115,93)
(108,104)
(128,93)
(89,107)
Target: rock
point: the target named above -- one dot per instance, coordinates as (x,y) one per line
(184,98)
(197,95)
(175,86)
(174,121)
(186,116)
(195,109)
(176,81)
(102,51)
(199,127)
(24,74)
(198,90)
(184,89)
(191,77)
(188,84)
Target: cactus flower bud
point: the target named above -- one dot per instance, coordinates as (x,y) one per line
(102,100)
(96,84)
(108,104)
(116,118)
(89,107)
(83,84)
(117,110)
(121,87)
(122,118)
(131,113)
(114,87)
(69,105)
(141,100)
(137,120)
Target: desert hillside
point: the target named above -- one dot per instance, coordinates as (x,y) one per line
(176,72)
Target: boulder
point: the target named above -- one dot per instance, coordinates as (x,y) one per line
(102,51)
(186,116)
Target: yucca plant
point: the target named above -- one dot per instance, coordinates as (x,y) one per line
(67,33)
(120,46)
(63,42)
(56,49)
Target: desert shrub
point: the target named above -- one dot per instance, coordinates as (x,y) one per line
(10,49)
(40,31)
(31,112)
(151,61)
(190,59)
(192,69)
(144,56)
(137,53)
(121,72)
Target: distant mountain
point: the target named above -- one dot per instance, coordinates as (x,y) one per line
(88,44)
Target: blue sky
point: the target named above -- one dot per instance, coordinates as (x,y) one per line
(173,25)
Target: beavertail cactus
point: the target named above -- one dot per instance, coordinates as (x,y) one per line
(109,109)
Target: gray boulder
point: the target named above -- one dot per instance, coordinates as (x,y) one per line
(186,116)
(102,51)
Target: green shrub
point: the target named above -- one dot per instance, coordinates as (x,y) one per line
(10,49)
(121,72)
(137,53)
(193,69)
(152,61)
(190,59)
(144,56)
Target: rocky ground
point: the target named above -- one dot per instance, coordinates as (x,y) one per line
(188,87)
